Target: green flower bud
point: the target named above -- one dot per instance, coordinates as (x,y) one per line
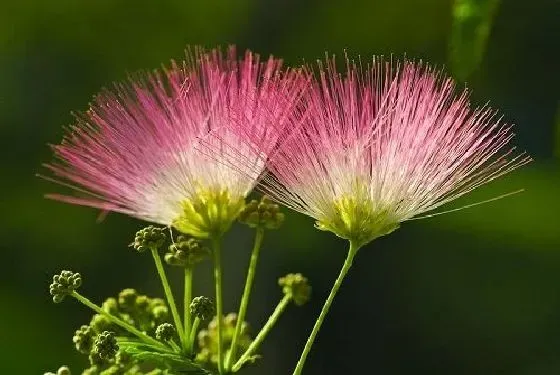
(262,214)
(160,313)
(106,345)
(111,306)
(142,303)
(202,307)
(100,323)
(186,252)
(83,339)
(165,332)
(127,299)
(296,285)
(64,284)
(149,238)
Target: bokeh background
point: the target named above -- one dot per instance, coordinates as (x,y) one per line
(472,292)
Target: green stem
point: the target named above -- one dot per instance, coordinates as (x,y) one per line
(144,337)
(263,333)
(192,337)
(246,295)
(345,268)
(187,303)
(169,295)
(219,309)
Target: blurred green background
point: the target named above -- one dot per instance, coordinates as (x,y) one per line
(472,292)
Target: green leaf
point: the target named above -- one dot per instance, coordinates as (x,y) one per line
(128,343)
(175,363)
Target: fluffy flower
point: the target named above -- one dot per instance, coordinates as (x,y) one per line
(135,150)
(383,144)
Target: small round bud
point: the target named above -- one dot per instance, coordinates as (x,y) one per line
(165,332)
(262,214)
(186,252)
(83,339)
(202,307)
(100,323)
(111,306)
(160,313)
(64,284)
(297,286)
(142,302)
(149,238)
(127,299)
(106,345)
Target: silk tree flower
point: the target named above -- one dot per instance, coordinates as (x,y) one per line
(134,151)
(382,145)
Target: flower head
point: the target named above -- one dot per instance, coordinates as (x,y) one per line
(134,151)
(380,145)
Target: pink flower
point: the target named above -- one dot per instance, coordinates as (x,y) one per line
(382,145)
(134,150)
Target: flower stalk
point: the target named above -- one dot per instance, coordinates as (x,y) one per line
(169,296)
(246,295)
(353,249)
(192,336)
(186,306)
(263,333)
(216,249)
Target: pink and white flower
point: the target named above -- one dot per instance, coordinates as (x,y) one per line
(134,151)
(383,144)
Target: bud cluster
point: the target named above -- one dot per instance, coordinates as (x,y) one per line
(149,238)
(297,286)
(261,214)
(98,339)
(202,307)
(83,339)
(64,284)
(165,332)
(186,252)
(106,345)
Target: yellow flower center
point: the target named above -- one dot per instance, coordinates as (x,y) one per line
(210,214)
(358,220)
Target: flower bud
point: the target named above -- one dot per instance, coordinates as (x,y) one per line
(64,284)
(297,286)
(83,339)
(202,307)
(186,252)
(149,238)
(106,345)
(262,214)
(165,332)
(127,299)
